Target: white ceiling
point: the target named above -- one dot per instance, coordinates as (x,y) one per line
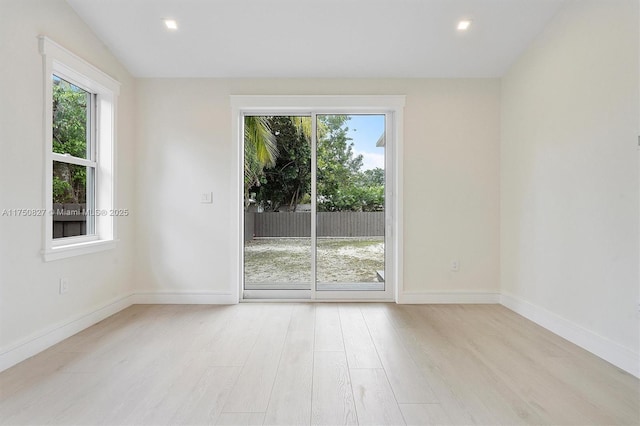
(316,38)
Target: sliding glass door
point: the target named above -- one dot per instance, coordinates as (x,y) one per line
(350,194)
(277,211)
(314,205)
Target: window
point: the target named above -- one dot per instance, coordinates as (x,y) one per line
(79,129)
(74,160)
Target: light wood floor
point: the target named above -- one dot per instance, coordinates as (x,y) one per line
(330,364)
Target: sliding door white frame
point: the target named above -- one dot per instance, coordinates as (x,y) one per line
(389,105)
(314,205)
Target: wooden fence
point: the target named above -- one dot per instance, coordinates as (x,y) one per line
(298,224)
(69,220)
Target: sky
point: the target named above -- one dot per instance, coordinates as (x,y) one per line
(365,130)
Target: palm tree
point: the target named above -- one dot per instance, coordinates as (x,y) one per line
(302,125)
(260,146)
(260,150)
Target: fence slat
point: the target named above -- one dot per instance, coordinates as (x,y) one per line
(330,224)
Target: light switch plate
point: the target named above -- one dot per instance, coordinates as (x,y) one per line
(64,285)
(206,198)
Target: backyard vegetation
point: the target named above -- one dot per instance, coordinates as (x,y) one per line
(69,137)
(277,178)
(278,166)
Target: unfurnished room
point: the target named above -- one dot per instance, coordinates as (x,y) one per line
(329,212)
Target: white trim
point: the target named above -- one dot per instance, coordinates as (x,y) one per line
(76,67)
(397,187)
(185,298)
(279,294)
(317,103)
(237,196)
(322,287)
(610,351)
(66,158)
(353,296)
(66,65)
(392,107)
(71,250)
(276,286)
(274,300)
(314,207)
(40,341)
(71,242)
(451,297)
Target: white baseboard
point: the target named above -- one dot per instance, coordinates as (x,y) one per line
(618,355)
(38,342)
(612,352)
(441,297)
(184,298)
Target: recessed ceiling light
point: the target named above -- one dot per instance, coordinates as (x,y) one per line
(171,24)
(464,25)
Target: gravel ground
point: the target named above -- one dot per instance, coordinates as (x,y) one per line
(288,260)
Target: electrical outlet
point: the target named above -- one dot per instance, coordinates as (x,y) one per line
(64,285)
(455,266)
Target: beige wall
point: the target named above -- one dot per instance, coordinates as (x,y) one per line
(451,155)
(531,182)
(30,305)
(569,177)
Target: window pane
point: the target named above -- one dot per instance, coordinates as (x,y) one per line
(70,119)
(350,202)
(277,191)
(72,200)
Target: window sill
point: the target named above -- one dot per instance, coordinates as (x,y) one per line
(78,249)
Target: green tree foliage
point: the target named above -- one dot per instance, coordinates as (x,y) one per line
(342,185)
(69,137)
(337,167)
(368,192)
(361,195)
(260,151)
(289,180)
(372,177)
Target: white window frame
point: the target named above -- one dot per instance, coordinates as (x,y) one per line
(392,106)
(104,90)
